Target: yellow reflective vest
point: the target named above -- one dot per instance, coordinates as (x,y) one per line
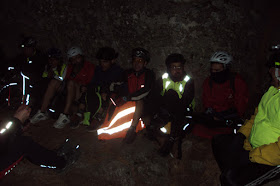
(263,130)
(168,83)
(45,73)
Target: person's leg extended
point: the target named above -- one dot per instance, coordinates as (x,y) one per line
(39,155)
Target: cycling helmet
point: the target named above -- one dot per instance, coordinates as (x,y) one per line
(142,53)
(73,51)
(175,57)
(106,53)
(54,53)
(28,42)
(221,57)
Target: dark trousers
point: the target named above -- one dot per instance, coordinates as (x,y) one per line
(35,153)
(235,165)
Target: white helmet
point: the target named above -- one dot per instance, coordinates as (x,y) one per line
(221,57)
(73,51)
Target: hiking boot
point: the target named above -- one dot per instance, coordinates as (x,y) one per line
(76,120)
(94,125)
(69,152)
(39,116)
(62,121)
(130,135)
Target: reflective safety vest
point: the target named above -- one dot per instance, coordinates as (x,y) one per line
(119,123)
(45,73)
(176,86)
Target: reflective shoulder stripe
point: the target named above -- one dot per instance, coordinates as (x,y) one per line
(165,75)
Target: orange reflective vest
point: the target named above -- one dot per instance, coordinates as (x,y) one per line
(119,123)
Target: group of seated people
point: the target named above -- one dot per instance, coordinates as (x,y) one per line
(167,104)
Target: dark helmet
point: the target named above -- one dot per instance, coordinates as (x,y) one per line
(142,53)
(106,53)
(175,57)
(274,60)
(28,42)
(54,53)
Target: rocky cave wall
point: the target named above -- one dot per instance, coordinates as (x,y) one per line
(195,28)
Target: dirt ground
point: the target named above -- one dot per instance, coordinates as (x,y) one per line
(114,163)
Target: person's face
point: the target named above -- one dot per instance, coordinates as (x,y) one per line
(76,59)
(176,71)
(217,67)
(53,62)
(105,64)
(28,51)
(138,63)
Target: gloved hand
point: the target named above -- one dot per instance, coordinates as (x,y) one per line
(166,147)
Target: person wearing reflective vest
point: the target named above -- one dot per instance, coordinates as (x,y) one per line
(14,147)
(55,69)
(78,74)
(173,96)
(252,156)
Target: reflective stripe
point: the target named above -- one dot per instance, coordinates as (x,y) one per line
(168,83)
(120,115)
(115,129)
(9,124)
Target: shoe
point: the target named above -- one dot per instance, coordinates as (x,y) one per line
(61,122)
(166,147)
(39,116)
(76,120)
(94,125)
(69,152)
(130,135)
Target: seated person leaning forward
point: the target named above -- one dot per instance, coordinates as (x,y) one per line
(78,74)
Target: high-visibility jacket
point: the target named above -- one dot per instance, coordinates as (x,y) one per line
(61,75)
(119,122)
(263,130)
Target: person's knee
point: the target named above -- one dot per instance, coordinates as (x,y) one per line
(54,84)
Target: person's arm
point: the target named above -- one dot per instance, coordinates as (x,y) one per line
(241,95)
(90,72)
(188,94)
(248,124)
(266,154)
(144,91)
(14,126)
